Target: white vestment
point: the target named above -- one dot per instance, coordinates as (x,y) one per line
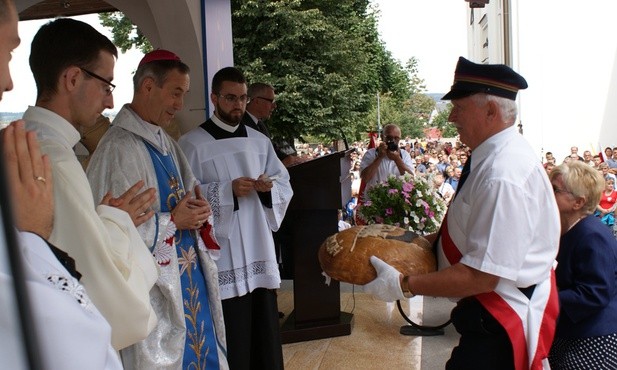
(248,259)
(117,268)
(121,159)
(71,333)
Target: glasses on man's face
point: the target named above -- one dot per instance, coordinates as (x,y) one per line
(271,101)
(233,99)
(110,87)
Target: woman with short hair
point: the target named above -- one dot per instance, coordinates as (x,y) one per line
(586,335)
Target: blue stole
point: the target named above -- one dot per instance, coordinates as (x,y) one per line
(200,348)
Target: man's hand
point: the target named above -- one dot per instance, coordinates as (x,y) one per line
(387,284)
(262,184)
(136,205)
(382,150)
(191,213)
(30,180)
(242,186)
(395,156)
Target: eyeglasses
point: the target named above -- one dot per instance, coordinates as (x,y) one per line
(233,99)
(557,190)
(272,101)
(110,87)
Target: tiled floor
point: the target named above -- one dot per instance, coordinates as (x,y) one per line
(375,342)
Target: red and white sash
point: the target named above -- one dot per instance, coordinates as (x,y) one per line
(530,323)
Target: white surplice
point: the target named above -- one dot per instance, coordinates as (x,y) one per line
(71,333)
(248,259)
(117,267)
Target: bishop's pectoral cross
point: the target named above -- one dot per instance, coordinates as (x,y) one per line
(174,184)
(176,192)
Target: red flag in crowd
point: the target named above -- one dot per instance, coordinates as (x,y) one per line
(602,154)
(372,144)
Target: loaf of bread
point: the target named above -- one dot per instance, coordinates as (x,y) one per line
(345,256)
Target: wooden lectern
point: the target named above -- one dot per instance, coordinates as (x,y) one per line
(321,187)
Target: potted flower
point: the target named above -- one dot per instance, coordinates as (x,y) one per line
(407,202)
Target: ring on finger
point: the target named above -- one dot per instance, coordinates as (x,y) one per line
(40,178)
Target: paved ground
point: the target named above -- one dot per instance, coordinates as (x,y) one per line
(435,349)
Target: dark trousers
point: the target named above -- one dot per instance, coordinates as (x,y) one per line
(484,343)
(252,330)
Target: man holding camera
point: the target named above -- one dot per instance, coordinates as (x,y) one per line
(385,160)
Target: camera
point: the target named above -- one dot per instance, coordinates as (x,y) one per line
(391,145)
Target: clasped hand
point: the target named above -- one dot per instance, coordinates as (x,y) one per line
(243,186)
(191,212)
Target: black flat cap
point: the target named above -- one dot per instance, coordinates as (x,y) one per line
(495,79)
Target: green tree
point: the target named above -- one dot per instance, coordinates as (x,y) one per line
(440,120)
(324,58)
(125,33)
(411,108)
(317,54)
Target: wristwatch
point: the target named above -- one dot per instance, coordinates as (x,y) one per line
(407,293)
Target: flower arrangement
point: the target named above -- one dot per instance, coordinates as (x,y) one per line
(410,203)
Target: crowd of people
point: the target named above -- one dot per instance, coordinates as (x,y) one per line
(439,161)
(161,254)
(442,162)
(606,165)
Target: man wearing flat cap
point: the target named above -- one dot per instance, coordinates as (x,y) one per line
(492,255)
(190,333)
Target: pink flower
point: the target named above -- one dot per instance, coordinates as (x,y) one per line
(393,191)
(407,187)
(389,211)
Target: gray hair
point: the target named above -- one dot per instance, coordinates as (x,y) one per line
(158,71)
(257,88)
(507,107)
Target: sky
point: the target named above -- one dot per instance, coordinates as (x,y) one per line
(433,31)
(24,91)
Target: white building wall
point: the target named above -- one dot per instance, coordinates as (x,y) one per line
(567,52)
